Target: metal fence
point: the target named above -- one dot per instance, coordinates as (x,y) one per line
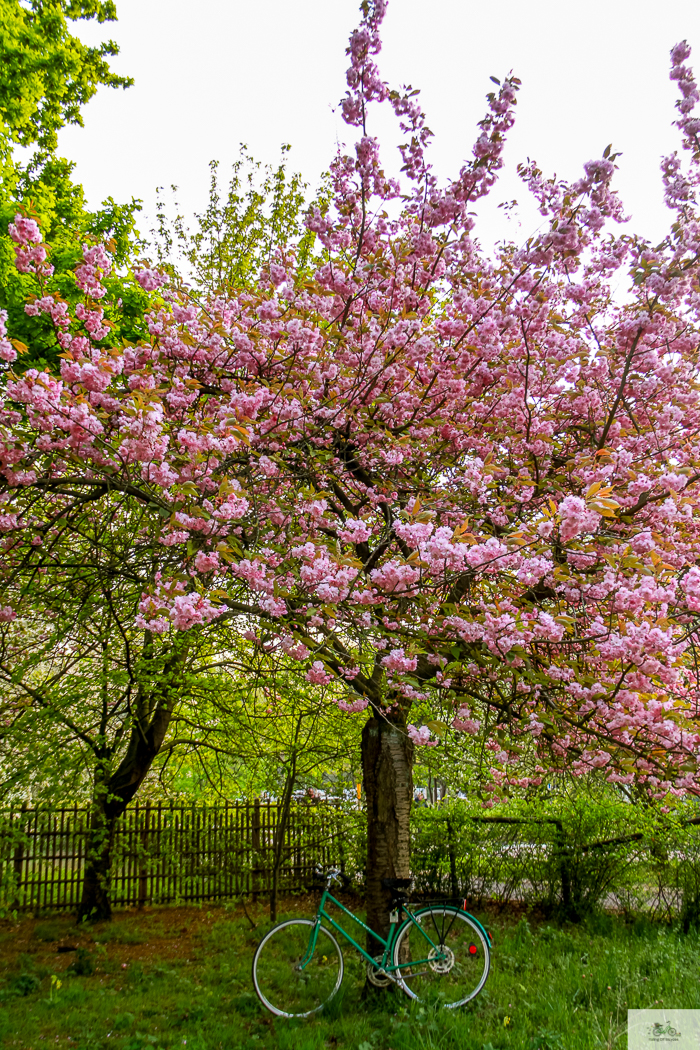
(163,853)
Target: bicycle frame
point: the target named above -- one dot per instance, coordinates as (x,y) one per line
(385,964)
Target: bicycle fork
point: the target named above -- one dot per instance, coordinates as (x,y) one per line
(304,962)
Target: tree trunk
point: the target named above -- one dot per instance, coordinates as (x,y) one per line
(115,790)
(283,810)
(112,796)
(95,903)
(387,764)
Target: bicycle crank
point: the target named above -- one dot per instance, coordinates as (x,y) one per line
(376,975)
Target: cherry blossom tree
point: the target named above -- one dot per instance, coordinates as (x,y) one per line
(445,480)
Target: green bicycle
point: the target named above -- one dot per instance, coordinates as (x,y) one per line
(436,953)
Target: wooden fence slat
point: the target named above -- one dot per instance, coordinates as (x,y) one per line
(18,858)
(160,858)
(171,842)
(72,848)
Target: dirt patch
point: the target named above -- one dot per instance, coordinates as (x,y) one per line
(165,934)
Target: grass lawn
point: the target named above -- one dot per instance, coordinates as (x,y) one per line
(180,977)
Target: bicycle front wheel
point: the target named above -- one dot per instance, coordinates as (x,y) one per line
(444,959)
(282,985)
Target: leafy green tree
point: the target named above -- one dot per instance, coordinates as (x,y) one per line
(263,728)
(237,234)
(46,75)
(235,741)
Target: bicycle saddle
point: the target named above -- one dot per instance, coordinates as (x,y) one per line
(396,884)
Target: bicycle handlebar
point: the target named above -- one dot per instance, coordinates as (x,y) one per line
(332,875)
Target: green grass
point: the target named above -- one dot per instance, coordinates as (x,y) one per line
(181,978)
(118,934)
(53,930)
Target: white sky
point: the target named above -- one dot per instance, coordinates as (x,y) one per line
(213,74)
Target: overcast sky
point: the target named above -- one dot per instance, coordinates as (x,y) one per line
(211,75)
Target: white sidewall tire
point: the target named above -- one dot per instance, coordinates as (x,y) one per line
(322,931)
(478,932)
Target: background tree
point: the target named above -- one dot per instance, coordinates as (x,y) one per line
(234,738)
(85,692)
(438,479)
(49,74)
(266,728)
(89,703)
(46,76)
(261,211)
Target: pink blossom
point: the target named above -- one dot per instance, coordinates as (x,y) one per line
(354,531)
(548,629)
(576,518)
(421,736)
(397,660)
(268,467)
(643,542)
(24,230)
(690,582)
(206,561)
(395,576)
(149,279)
(353,706)
(317,674)
(234,508)
(464,722)
(296,650)
(413,534)
(7,351)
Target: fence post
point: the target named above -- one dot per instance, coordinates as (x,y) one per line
(143,868)
(452,854)
(255,843)
(18,861)
(339,837)
(562,848)
(76,871)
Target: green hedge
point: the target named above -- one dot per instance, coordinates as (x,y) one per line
(566,857)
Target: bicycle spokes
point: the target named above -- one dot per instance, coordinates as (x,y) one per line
(443,957)
(290,980)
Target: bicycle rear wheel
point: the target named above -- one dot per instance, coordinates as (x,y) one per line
(281,985)
(445,959)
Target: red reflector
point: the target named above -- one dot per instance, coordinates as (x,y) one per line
(472,949)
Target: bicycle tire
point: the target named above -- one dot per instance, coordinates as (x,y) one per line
(456,978)
(281,987)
